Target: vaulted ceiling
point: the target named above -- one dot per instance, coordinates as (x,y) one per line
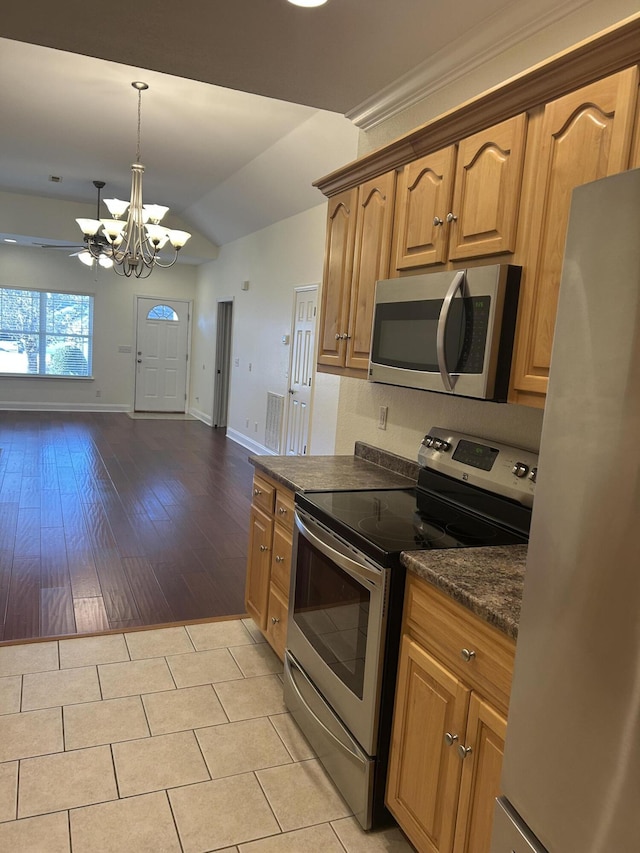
(249,100)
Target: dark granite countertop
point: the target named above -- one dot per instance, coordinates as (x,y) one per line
(368,468)
(488,581)
(329,473)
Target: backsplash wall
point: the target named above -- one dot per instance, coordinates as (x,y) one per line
(411,413)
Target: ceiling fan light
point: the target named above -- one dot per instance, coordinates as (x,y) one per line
(105,262)
(155,211)
(116,207)
(308,3)
(86,258)
(178,238)
(89,227)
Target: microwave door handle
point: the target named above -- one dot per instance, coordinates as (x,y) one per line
(456,284)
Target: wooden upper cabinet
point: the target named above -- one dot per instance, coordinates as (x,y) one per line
(453,206)
(423,199)
(486,195)
(358,249)
(374,224)
(583,136)
(336,283)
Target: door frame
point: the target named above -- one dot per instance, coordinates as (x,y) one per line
(136,299)
(224,340)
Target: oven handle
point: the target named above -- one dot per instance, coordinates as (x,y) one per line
(456,284)
(349,563)
(354,749)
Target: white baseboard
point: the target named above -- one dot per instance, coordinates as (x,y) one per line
(202,416)
(247,442)
(22,406)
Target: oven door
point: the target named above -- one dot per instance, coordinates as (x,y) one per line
(337,625)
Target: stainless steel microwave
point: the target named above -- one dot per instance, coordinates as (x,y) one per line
(448,331)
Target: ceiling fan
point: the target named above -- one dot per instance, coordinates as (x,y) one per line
(98,242)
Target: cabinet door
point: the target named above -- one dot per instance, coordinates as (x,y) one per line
(336,281)
(277,621)
(585,135)
(281,558)
(423,200)
(374,224)
(481,769)
(424,772)
(486,195)
(258,560)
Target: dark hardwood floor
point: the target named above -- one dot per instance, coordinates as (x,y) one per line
(107,522)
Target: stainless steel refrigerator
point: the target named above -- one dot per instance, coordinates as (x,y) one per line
(571,773)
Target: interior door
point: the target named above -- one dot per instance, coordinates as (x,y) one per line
(223,363)
(301,370)
(161,355)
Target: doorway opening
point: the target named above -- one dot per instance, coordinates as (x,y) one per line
(223,363)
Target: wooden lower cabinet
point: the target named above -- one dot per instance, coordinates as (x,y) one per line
(269,559)
(447,740)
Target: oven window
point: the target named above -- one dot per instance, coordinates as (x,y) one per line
(332,611)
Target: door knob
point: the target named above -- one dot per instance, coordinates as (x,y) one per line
(139,361)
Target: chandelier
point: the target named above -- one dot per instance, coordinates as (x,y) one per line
(132,244)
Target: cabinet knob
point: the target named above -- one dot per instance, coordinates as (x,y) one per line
(264,548)
(467,654)
(437,221)
(274,620)
(451,217)
(463,751)
(279,559)
(282,510)
(257,492)
(450,739)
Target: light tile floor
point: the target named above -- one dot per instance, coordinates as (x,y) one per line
(172,739)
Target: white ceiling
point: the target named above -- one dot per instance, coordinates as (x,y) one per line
(226,161)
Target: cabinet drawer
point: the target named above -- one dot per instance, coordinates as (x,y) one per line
(281,559)
(451,631)
(263,494)
(284,509)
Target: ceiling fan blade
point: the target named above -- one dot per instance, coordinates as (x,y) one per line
(58,246)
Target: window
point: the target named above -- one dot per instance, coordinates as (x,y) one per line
(45,334)
(162,312)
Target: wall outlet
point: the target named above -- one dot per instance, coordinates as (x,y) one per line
(382,417)
(236,362)
(255,426)
(98,393)
(246,423)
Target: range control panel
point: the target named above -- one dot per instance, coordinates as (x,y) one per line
(500,468)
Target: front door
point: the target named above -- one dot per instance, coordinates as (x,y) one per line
(161,355)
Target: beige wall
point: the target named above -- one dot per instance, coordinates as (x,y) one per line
(274,261)
(114,326)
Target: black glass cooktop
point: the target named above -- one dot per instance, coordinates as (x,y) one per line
(390,521)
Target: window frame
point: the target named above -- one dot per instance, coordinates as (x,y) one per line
(42,333)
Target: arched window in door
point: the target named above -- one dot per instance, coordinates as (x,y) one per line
(162,312)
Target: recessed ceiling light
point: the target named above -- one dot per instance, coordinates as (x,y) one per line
(9,240)
(308,2)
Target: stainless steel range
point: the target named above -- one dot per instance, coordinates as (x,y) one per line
(347,586)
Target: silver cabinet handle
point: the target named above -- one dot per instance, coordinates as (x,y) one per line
(467,654)
(437,221)
(338,337)
(279,559)
(263,548)
(450,739)
(274,621)
(457,284)
(257,492)
(463,751)
(451,217)
(282,510)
